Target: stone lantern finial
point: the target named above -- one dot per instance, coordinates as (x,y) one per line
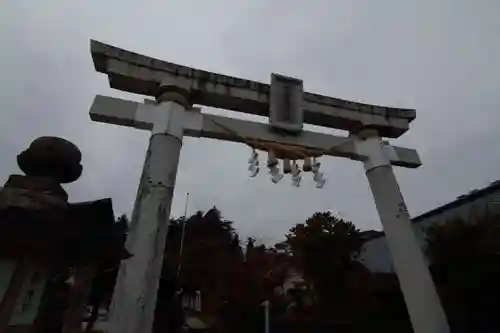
(51,157)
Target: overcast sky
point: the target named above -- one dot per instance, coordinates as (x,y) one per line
(441,57)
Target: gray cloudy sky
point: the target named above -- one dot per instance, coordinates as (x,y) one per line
(441,57)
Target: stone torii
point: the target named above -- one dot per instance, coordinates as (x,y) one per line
(172,115)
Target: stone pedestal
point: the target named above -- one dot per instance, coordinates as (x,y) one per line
(41,233)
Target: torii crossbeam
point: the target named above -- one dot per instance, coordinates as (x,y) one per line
(176,89)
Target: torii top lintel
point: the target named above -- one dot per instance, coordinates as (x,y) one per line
(136,73)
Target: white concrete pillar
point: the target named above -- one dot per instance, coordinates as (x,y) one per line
(422,300)
(134,298)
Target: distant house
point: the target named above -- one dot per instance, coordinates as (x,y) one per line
(375,254)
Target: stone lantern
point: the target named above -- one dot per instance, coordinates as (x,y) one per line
(42,235)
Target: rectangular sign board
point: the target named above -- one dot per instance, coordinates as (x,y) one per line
(285,103)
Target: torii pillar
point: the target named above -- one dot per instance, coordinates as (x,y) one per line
(176,88)
(134,299)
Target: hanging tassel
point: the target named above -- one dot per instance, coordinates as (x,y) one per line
(276,176)
(321,183)
(319,179)
(296,180)
(253,164)
(254,171)
(296,177)
(295,168)
(253,157)
(315,165)
(318,176)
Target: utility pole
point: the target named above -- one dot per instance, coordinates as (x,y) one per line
(265,304)
(183,233)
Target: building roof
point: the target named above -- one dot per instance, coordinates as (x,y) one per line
(459,201)
(82,231)
(367,235)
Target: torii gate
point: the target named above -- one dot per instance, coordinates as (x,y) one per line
(176,89)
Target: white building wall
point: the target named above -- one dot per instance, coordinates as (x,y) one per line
(376,257)
(375,254)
